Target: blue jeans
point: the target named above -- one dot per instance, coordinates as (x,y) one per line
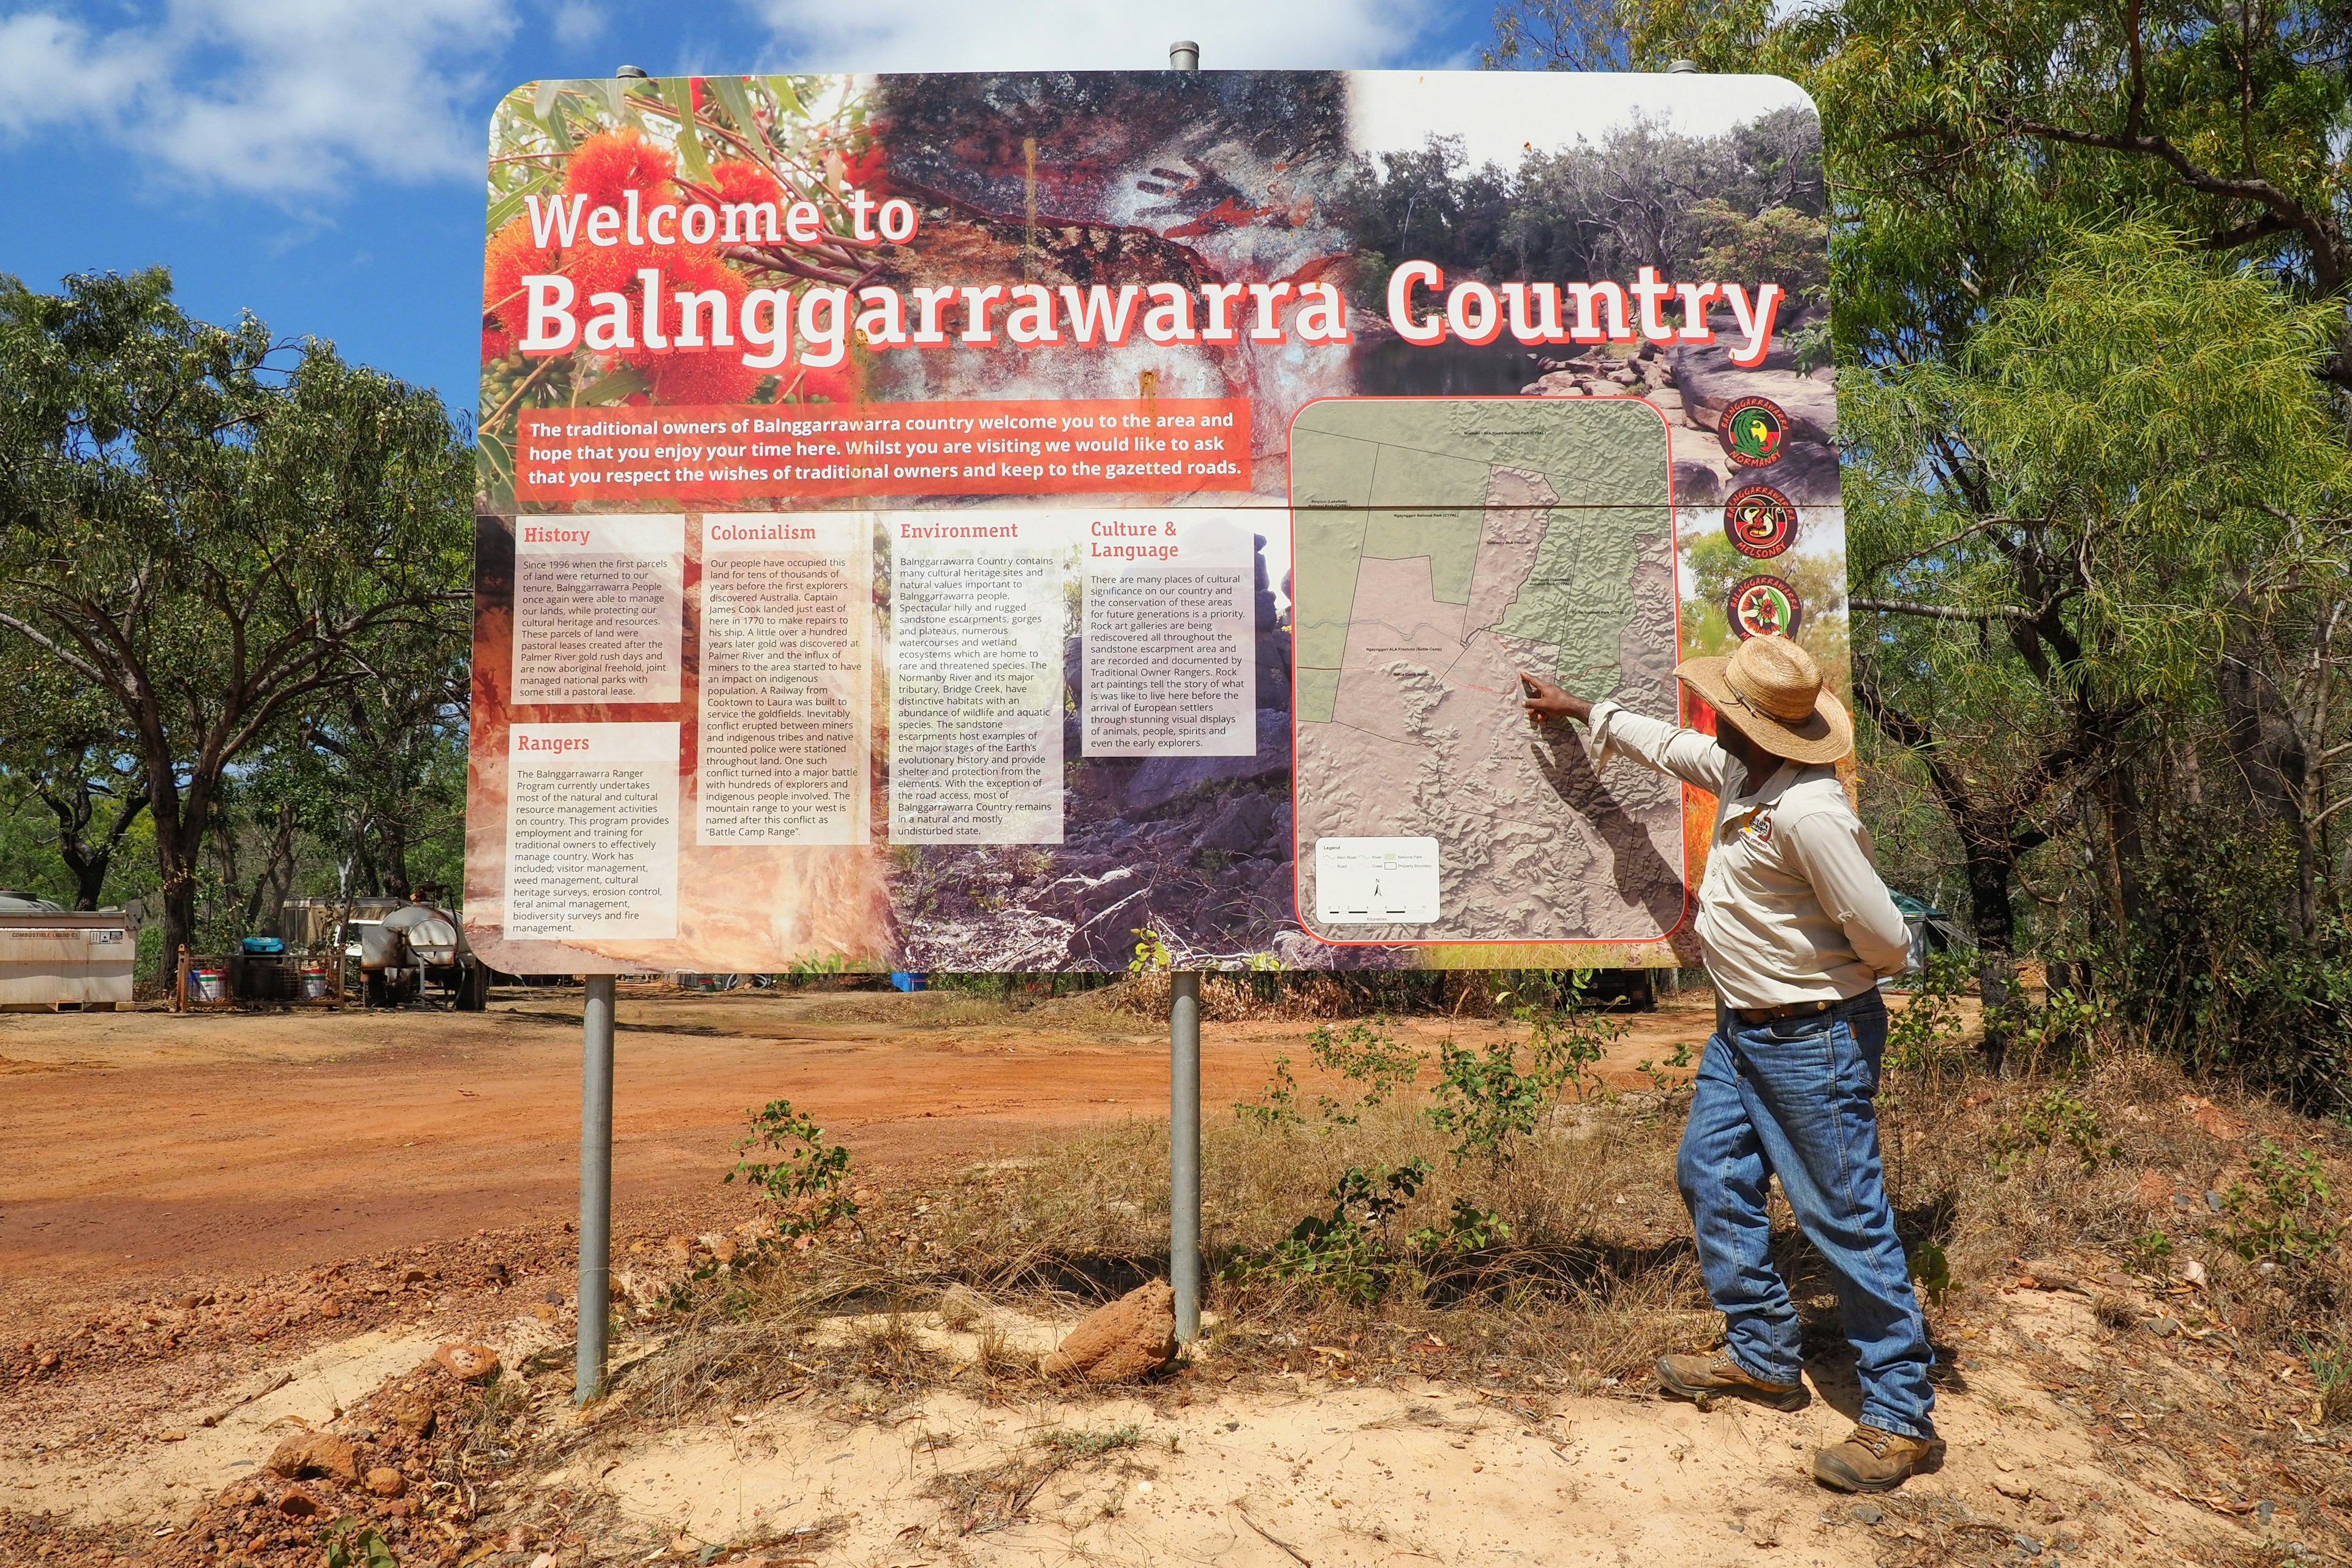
(1795,1098)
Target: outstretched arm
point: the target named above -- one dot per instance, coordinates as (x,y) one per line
(1669,749)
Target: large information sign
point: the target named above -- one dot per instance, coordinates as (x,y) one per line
(985,521)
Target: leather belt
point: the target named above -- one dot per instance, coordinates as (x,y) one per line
(1753,1016)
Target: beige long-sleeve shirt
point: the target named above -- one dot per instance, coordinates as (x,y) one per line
(1791,908)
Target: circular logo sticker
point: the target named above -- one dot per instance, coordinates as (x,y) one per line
(1753,430)
(1763,607)
(1759,522)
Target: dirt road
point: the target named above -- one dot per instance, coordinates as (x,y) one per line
(139,1153)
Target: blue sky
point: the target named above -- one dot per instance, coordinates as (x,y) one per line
(320,161)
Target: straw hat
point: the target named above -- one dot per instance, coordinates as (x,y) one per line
(1771,689)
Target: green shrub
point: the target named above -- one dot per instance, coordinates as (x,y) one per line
(2057,1115)
(809,1182)
(2286,1216)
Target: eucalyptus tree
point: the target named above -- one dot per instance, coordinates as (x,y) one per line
(214,529)
(2094,486)
(63,752)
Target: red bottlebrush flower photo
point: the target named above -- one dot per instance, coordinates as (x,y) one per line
(741,180)
(509,260)
(605,168)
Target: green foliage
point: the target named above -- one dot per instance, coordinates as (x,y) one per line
(1599,209)
(2287,1216)
(1925,1035)
(1469,1227)
(1151,955)
(2057,1116)
(2089,268)
(352,1545)
(1932,1269)
(2057,1034)
(2330,1363)
(1487,1099)
(810,1181)
(219,540)
(1088,1445)
(1346,1251)
(1277,1103)
(1365,1053)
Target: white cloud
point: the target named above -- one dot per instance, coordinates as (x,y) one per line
(283,98)
(59,73)
(1091,35)
(576,24)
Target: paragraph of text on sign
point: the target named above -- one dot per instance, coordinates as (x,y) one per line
(1102,446)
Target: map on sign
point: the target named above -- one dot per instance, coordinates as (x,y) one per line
(1442,546)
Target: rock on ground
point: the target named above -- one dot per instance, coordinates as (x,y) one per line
(316,1454)
(467,1363)
(1130,1338)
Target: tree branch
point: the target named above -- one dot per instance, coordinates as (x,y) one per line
(2328,262)
(1943,612)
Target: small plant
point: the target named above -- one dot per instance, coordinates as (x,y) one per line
(1364,1053)
(1152,954)
(2331,1373)
(1666,1086)
(2057,1115)
(1367,1054)
(1469,1228)
(1488,1101)
(1933,1270)
(1088,1445)
(2286,1216)
(351,1545)
(2153,1247)
(1566,1038)
(1925,1037)
(809,1182)
(1277,1103)
(2056,1035)
(1346,1251)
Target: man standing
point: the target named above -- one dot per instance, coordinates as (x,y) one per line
(1796,928)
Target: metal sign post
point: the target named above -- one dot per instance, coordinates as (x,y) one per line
(1184,1071)
(1185,1151)
(596,1189)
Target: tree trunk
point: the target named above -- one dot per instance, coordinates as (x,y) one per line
(178,867)
(1990,863)
(392,842)
(84,863)
(274,879)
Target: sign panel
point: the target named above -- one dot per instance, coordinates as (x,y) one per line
(975,521)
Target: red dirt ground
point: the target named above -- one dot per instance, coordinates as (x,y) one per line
(146,1152)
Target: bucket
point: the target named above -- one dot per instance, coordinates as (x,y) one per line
(205,986)
(314,981)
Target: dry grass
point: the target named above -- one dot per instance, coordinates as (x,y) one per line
(993,1496)
(1597,1277)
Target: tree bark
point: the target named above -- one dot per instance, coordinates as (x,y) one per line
(89,860)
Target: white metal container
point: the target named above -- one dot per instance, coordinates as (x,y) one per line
(61,961)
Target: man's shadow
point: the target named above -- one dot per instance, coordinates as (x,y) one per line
(1643,876)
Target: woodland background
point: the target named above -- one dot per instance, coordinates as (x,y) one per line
(2091,264)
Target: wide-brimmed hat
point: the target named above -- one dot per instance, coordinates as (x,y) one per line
(1771,689)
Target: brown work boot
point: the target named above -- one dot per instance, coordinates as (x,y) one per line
(1870,1461)
(1699,1378)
